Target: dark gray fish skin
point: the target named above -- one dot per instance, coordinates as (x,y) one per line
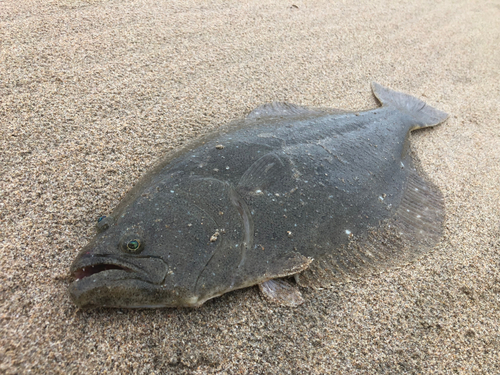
(256,201)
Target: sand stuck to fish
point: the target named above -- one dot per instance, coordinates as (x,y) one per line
(93,93)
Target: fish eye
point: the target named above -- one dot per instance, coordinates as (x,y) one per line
(132,243)
(104,222)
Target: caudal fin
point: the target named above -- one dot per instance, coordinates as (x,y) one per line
(424,114)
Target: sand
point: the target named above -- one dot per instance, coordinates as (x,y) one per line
(92,93)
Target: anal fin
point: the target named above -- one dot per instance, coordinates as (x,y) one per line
(412,231)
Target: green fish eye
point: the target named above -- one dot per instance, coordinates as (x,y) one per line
(133,245)
(102,217)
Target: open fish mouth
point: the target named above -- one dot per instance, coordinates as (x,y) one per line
(101,267)
(106,280)
(90,265)
(87,271)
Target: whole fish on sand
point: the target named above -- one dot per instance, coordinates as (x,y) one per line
(319,195)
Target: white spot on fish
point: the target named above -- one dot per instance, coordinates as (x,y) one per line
(347,231)
(214,236)
(172,191)
(192,300)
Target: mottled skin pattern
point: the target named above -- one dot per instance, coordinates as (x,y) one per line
(253,202)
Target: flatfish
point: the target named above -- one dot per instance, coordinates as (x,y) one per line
(321,196)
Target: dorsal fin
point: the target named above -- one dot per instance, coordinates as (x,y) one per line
(280,109)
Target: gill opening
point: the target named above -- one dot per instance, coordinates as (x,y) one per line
(248,227)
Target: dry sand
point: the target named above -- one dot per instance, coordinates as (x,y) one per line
(92,93)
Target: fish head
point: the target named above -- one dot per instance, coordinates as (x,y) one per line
(148,253)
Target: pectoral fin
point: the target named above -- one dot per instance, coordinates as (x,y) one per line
(268,273)
(281,292)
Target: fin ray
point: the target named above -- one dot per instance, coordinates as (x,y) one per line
(280,109)
(281,292)
(261,173)
(414,229)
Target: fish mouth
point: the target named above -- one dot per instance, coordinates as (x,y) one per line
(101,267)
(107,280)
(90,270)
(91,265)
(111,281)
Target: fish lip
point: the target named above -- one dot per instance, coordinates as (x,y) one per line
(79,286)
(84,267)
(109,274)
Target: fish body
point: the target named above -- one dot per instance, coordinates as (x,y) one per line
(319,195)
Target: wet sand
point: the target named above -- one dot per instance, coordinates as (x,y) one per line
(92,93)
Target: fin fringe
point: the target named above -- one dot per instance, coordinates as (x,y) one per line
(414,230)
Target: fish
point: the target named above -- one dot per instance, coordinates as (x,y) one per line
(288,197)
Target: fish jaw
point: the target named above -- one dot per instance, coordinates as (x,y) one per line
(109,285)
(88,265)
(117,281)
(106,282)
(114,288)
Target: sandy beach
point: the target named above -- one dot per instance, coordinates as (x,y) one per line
(93,93)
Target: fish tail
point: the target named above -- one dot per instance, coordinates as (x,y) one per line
(424,114)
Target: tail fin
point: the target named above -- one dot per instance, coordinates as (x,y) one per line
(424,114)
